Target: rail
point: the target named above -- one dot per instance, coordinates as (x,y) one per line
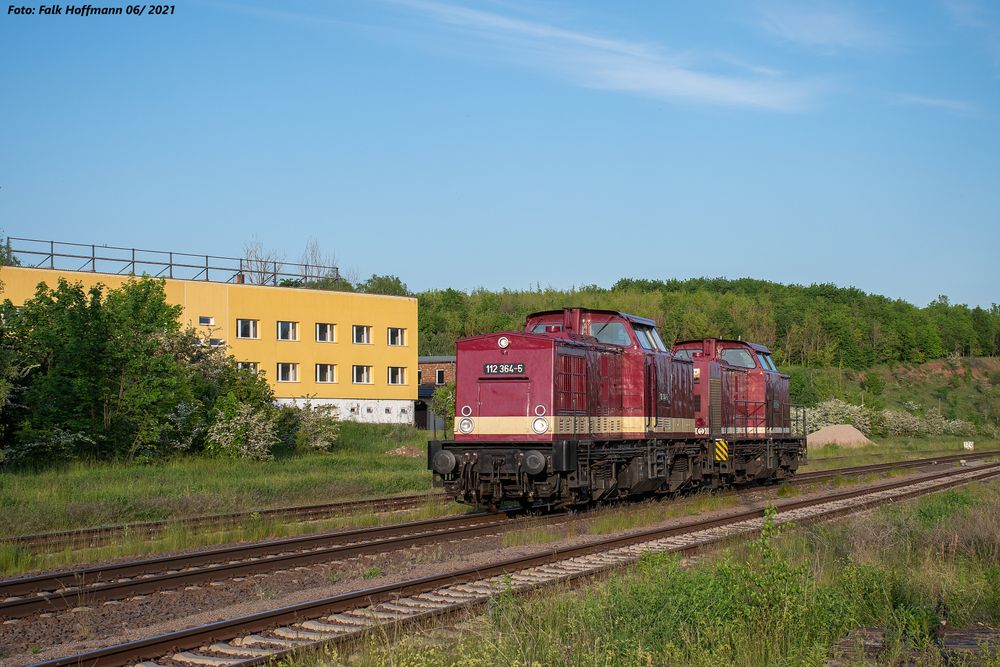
(118,260)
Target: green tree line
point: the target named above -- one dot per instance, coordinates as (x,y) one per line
(815,325)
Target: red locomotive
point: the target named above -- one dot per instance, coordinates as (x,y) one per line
(588,405)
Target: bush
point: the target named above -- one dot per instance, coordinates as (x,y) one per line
(836,411)
(887,422)
(318,428)
(48,447)
(443,404)
(244,432)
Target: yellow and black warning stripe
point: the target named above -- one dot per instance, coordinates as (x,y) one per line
(721,450)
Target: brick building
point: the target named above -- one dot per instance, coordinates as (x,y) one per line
(432,372)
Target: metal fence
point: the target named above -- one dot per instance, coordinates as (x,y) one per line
(38,253)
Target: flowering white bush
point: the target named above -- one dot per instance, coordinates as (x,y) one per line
(248,433)
(835,411)
(899,423)
(318,427)
(886,422)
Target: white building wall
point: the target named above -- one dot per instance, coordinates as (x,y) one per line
(366,410)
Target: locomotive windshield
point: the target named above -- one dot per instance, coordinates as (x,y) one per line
(737,356)
(613,333)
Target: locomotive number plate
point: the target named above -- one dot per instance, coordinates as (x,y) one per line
(503,369)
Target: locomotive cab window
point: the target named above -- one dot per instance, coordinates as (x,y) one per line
(644,339)
(649,338)
(613,333)
(657,339)
(765,362)
(737,356)
(546,328)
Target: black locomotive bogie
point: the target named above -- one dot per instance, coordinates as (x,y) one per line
(573,473)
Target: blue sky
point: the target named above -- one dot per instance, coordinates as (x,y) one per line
(509,143)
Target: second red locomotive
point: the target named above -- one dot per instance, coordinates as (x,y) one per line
(587,405)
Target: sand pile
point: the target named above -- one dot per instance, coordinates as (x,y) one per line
(844,435)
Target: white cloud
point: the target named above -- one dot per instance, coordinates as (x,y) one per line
(823,27)
(600,62)
(984,20)
(943,103)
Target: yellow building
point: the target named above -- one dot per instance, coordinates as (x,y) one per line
(355,351)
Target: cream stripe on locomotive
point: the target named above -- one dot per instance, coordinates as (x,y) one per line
(756,430)
(568,425)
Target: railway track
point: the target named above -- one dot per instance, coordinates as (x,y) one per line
(100,535)
(23,596)
(264,637)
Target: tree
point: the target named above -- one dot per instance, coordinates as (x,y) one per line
(389,285)
(260,265)
(109,374)
(7,257)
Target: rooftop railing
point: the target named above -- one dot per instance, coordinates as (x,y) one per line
(116,260)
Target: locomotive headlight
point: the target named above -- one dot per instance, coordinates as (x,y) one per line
(540,425)
(503,342)
(465,425)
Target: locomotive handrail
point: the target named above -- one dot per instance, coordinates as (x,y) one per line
(749,415)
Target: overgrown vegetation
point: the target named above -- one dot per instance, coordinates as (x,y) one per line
(782,600)
(109,375)
(954,388)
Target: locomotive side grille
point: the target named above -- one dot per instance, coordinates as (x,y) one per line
(715,405)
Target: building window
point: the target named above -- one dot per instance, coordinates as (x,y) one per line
(288,330)
(397,336)
(326,333)
(362,374)
(420,374)
(206,321)
(247,366)
(288,372)
(326,373)
(216,342)
(362,334)
(439,376)
(397,375)
(246,329)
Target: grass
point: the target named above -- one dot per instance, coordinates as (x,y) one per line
(16,559)
(84,495)
(888,450)
(89,494)
(784,599)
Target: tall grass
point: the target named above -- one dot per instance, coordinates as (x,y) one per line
(781,600)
